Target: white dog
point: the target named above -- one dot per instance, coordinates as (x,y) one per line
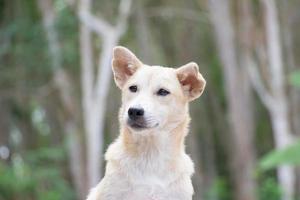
(148,160)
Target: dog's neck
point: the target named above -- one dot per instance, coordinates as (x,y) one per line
(155,142)
(154,154)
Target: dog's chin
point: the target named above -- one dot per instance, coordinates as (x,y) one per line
(140,126)
(137,127)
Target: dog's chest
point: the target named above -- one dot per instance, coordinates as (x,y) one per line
(147,187)
(147,180)
(151,176)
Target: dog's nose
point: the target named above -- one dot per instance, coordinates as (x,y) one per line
(135,113)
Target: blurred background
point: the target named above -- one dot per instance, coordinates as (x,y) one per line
(59,105)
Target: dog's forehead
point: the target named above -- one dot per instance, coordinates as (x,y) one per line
(156,74)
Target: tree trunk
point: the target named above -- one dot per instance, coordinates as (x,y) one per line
(5,130)
(294,94)
(62,83)
(237,87)
(206,146)
(93,142)
(288,41)
(144,38)
(279,110)
(95,88)
(192,148)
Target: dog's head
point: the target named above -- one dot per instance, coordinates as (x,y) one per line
(154,97)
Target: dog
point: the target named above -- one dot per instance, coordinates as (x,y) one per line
(148,160)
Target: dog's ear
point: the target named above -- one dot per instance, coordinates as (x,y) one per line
(191,80)
(124,65)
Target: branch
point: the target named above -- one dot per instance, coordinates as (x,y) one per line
(96,24)
(100,26)
(187,14)
(109,41)
(48,17)
(124,12)
(259,87)
(103,28)
(273,45)
(87,61)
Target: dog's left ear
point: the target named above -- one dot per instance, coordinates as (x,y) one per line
(124,65)
(191,80)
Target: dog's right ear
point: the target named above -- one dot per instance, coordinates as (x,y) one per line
(124,65)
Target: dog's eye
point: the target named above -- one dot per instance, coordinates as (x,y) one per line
(162,92)
(133,88)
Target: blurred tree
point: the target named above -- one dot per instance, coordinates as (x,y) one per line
(237,86)
(95,86)
(52,55)
(274,95)
(63,83)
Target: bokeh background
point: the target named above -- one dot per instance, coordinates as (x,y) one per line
(59,105)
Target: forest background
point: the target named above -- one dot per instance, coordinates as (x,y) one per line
(59,105)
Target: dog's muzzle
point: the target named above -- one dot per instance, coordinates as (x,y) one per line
(136,118)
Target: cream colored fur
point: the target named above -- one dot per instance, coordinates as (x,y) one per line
(151,164)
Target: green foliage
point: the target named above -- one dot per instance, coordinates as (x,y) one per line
(37,175)
(26,76)
(269,190)
(219,190)
(21,55)
(289,155)
(13,181)
(295,78)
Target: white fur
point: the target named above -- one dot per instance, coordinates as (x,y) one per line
(150,164)
(146,177)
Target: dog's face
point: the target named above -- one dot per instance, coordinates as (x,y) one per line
(154,97)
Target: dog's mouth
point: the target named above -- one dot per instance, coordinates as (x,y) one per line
(139,124)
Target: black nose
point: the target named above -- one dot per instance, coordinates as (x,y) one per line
(135,113)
